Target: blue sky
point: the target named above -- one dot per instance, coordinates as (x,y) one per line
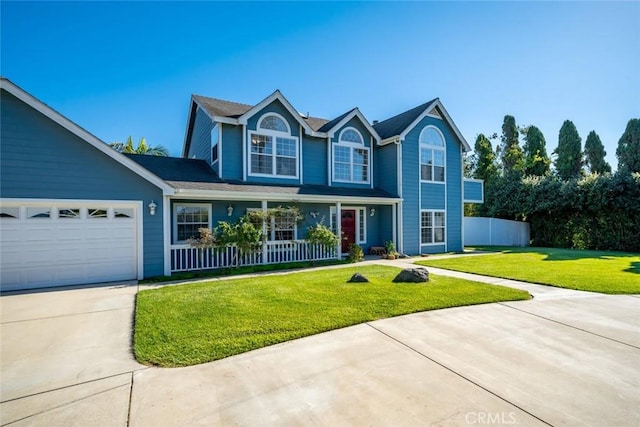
(120,69)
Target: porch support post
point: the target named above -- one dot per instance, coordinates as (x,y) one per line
(166,238)
(339,227)
(394,225)
(264,232)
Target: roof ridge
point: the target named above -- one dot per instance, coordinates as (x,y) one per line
(224,100)
(421,106)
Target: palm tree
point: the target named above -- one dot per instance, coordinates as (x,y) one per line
(142,148)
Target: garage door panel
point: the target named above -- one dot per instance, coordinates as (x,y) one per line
(37,252)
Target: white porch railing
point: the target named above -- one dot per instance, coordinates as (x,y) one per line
(186,258)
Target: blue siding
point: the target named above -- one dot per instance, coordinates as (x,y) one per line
(411,194)
(35,150)
(454,191)
(231,137)
(473,191)
(200,147)
(366,136)
(385,161)
(433,196)
(314,159)
(384,220)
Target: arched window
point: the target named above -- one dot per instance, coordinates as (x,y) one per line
(432,155)
(350,158)
(273,122)
(273,151)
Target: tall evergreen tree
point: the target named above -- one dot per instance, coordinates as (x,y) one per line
(594,154)
(484,159)
(628,151)
(511,153)
(568,161)
(536,160)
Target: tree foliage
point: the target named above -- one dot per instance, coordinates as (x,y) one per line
(142,148)
(592,212)
(594,154)
(511,153)
(484,159)
(568,161)
(536,160)
(628,151)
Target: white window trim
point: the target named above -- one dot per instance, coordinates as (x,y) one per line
(352,146)
(333,211)
(174,235)
(273,134)
(270,237)
(444,242)
(442,148)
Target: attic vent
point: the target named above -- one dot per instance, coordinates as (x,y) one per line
(375,122)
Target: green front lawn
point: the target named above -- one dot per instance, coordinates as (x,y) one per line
(596,271)
(196,323)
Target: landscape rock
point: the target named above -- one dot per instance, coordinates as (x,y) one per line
(358,278)
(412,275)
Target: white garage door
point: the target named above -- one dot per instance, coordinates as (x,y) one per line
(67,243)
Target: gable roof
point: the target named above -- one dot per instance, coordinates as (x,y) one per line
(394,126)
(398,126)
(331,127)
(41,107)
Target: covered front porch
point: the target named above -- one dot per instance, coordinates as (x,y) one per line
(367,222)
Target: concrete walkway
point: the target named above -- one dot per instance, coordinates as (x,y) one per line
(562,358)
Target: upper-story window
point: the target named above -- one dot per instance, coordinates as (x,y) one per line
(432,155)
(273,151)
(350,158)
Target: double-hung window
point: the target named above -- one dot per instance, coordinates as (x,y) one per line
(432,227)
(273,151)
(432,155)
(188,219)
(350,158)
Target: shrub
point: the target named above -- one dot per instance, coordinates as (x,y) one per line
(322,235)
(355,253)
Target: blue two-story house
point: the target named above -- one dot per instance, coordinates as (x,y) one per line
(397,180)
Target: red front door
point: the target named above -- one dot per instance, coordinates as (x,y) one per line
(348,224)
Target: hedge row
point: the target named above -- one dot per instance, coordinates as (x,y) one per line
(594,212)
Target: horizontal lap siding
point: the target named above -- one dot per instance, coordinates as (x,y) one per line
(411,192)
(386,167)
(231,137)
(314,153)
(200,146)
(473,191)
(433,196)
(42,160)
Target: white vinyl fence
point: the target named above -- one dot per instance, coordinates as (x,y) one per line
(480,231)
(186,258)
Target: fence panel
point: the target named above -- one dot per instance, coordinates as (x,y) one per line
(479,231)
(186,258)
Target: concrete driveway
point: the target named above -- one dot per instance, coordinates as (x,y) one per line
(563,358)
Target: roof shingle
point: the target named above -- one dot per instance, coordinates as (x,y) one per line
(395,125)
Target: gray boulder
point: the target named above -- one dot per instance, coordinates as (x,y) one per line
(412,275)
(358,278)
